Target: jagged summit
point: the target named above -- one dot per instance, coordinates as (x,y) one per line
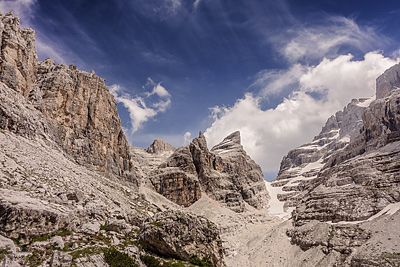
(388,81)
(159,146)
(225,173)
(231,142)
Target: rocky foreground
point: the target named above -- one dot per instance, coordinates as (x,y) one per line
(74,193)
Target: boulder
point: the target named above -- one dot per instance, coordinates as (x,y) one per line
(181,235)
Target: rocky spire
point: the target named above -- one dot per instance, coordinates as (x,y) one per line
(388,81)
(159,146)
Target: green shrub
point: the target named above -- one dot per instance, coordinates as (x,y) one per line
(195,260)
(150,261)
(115,258)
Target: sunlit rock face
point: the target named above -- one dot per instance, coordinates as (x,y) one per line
(301,166)
(347,200)
(226,173)
(388,81)
(77,104)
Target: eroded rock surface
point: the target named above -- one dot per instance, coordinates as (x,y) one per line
(182,235)
(78,104)
(301,166)
(226,173)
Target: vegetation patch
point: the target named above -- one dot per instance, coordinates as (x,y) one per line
(34,260)
(115,258)
(88,251)
(3,253)
(40,238)
(157,224)
(150,261)
(195,260)
(104,227)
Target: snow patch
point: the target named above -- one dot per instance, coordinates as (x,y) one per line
(275,206)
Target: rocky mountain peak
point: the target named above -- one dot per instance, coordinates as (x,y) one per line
(78,105)
(159,146)
(388,81)
(18,55)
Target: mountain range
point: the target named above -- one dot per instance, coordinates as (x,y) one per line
(73,192)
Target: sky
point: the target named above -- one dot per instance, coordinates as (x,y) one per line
(275,70)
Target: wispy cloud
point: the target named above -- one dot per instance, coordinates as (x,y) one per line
(187,138)
(143,107)
(158,10)
(196,4)
(24,9)
(326,38)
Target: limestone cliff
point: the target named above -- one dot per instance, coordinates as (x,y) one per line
(226,173)
(301,165)
(343,195)
(77,104)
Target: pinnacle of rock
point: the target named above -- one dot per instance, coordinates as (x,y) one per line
(159,146)
(388,81)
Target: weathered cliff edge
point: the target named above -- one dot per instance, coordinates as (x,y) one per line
(69,190)
(79,113)
(225,173)
(344,186)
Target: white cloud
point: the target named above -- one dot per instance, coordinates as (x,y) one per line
(187,138)
(326,39)
(196,4)
(142,108)
(158,89)
(267,135)
(271,82)
(21,8)
(44,50)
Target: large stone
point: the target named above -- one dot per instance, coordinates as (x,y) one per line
(60,259)
(181,235)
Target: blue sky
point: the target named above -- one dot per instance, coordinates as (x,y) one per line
(276,70)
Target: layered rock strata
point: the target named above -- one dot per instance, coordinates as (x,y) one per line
(301,166)
(77,104)
(226,173)
(352,203)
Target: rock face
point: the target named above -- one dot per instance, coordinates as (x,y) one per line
(226,173)
(388,81)
(159,146)
(355,182)
(18,55)
(363,178)
(56,124)
(77,104)
(302,165)
(182,235)
(85,109)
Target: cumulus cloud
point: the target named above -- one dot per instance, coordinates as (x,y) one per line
(267,135)
(142,108)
